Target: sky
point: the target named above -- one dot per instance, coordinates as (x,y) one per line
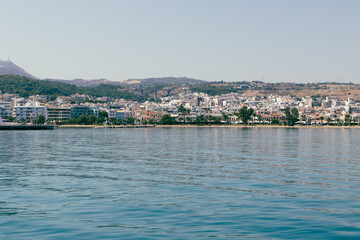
(230,40)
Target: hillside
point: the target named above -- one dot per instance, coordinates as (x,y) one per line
(84,82)
(162,81)
(341,90)
(132,82)
(8,67)
(26,87)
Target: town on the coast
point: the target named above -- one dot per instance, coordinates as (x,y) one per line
(187,107)
(27,100)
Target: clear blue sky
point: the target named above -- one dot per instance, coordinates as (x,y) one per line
(232,40)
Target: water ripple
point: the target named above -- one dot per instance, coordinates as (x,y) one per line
(179,183)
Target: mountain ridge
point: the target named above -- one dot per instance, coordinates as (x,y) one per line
(163,80)
(131,82)
(8,67)
(84,82)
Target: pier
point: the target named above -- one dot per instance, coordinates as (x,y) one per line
(25,127)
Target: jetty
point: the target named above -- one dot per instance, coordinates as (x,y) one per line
(26,127)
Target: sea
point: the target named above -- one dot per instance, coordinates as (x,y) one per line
(180,183)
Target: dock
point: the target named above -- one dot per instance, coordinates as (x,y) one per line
(26,127)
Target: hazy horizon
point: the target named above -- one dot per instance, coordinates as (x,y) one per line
(271,41)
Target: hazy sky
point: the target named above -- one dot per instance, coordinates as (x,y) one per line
(232,40)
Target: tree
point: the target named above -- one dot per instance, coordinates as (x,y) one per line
(104,114)
(130,120)
(356,119)
(338,121)
(81,120)
(112,120)
(92,119)
(225,117)
(201,120)
(188,120)
(275,121)
(182,110)
(40,119)
(291,116)
(10,118)
(214,120)
(347,119)
(245,114)
(167,120)
(72,120)
(119,121)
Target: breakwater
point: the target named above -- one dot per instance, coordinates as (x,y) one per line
(25,127)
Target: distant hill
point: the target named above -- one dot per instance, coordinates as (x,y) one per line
(165,80)
(8,67)
(132,82)
(26,87)
(84,83)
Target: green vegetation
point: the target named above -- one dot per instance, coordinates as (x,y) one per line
(182,111)
(93,120)
(167,120)
(201,120)
(275,121)
(109,90)
(245,114)
(148,92)
(10,118)
(213,89)
(291,116)
(40,119)
(26,87)
(225,117)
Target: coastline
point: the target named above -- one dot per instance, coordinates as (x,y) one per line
(254,126)
(102,126)
(26,127)
(204,126)
(78,126)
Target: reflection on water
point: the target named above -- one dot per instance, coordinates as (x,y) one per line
(246,183)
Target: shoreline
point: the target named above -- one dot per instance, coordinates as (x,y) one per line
(256,126)
(203,126)
(26,127)
(102,126)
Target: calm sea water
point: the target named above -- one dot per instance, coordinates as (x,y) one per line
(180,183)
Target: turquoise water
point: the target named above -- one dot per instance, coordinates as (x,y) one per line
(180,183)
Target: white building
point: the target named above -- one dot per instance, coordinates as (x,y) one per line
(30,110)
